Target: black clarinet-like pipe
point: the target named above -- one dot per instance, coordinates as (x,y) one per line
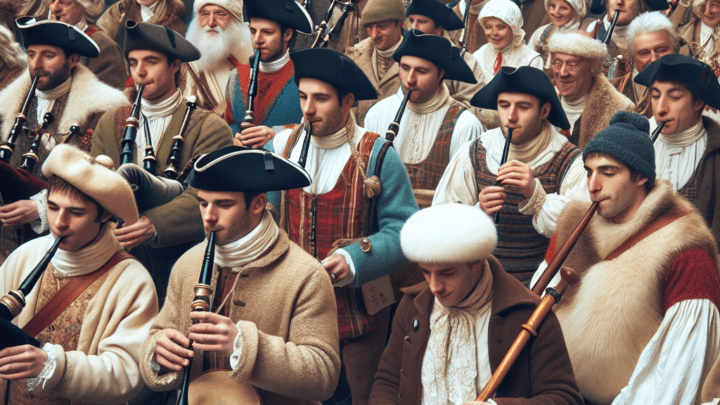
(305,145)
(657,131)
(252,92)
(13,302)
(201,303)
(608,36)
(74,132)
(173,166)
(31,159)
(346,8)
(394,127)
(127,155)
(7,149)
(503,160)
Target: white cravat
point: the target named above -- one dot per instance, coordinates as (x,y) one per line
(158,118)
(678,155)
(89,258)
(269,67)
(250,246)
(574,108)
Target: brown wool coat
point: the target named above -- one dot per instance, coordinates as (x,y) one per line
(707,177)
(114,18)
(604,101)
(285,308)
(542,371)
(110,67)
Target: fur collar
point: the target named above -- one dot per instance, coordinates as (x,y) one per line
(604,101)
(88,96)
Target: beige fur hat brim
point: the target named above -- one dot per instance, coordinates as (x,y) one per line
(573,43)
(448,234)
(101,184)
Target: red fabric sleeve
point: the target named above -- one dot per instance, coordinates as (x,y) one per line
(693,275)
(550,252)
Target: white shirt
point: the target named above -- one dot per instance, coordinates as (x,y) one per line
(675,161)
(517,56)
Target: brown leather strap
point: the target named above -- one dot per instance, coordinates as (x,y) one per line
(63,298)
(645,232)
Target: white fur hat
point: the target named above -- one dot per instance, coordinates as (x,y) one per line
(574,43)
(101,184)
(507,11)
(448,233)
(234,7)
(579,6)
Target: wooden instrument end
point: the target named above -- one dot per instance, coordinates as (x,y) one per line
(570,276)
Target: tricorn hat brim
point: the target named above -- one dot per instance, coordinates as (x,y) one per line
(56,33)
(697,76)
(287,13)
(335,68)
(437,50)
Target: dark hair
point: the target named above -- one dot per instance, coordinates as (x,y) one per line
(293,38)
(634,175)
(248,199)
(56,183)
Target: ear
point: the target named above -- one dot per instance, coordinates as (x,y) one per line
(175,65)
(73,60)
(347,102)
(441,74)
(287,35)
(544,111)
(698,106)
(257,205)
(106,217)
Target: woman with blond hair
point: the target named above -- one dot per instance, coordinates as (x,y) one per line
(702,33)
(565,16)
(169,13)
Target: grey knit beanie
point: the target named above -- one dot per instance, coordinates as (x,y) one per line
(628,140)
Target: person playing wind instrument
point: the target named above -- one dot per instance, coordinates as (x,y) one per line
(274,324)
(90,348)
(641,327)
(542,174)
(451,331)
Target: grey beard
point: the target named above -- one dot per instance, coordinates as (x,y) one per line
(233,40)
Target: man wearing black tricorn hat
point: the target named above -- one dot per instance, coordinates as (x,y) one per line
(434,126)
(688,147)
(276,327)
(272,26)
(359,200)
(66,90)
(155,54)
(541,175)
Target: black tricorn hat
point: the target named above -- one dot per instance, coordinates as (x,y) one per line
(598,6)
(287,13)
(525,79)
(234,168)
(56,33)
(443,15)
(695,75)
(335,68)
(437,50)
(142,35)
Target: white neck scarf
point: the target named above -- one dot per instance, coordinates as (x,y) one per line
(158,118)
(707,33)
(686,137)
(388,53)
(148,12)
(450,364)
(438,101)
(530,150)
(46,99)
(250,246)
(163,108)
(89,258)
(574,108)
(82,25)
(339,138)
(269,67)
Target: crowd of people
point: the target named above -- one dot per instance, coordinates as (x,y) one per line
(361,202)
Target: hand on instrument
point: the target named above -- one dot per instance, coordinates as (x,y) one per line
(26,361)
(492,199)
(18,213)
(254,137)
(517,174)
(171,350)
(133,235)
(336,267)
(214,333)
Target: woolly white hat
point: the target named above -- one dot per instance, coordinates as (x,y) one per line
(101,184)
(448,233)
(574,43)
(579,6)
(234,7)
(507,11)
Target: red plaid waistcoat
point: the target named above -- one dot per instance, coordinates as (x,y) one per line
(318,220)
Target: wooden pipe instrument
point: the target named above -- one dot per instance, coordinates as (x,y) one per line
(394,127)
(201,303)
(13,302)
(564,251)
(173,166)
(31,159)
(127,155)
(463,41)
(7,149)
(306,145)
(149,161)
(503,160)
(610,30)
(325,33)
(252,92)
(74,133)
(553,296)
(656,132)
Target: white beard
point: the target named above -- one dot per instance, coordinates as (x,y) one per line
(214,49)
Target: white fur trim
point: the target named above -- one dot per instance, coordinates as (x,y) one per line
(103,185)
(448,233)
(234,7)
(573,43)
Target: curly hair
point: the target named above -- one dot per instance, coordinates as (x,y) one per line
(10,51)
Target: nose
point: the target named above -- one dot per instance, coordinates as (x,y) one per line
(54,7)
(308,108)
(593,184)
(512,114)
(257,39)
(374,33)
(209,216)
(411,78)
(563,70)
(211,22)
(654,56)
(660,106)
(61,221)
(437,287)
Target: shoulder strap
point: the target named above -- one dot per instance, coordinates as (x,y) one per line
(63,298)
(372,202)
(656,225)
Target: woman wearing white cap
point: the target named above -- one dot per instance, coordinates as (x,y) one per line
(565,16)
(502,22)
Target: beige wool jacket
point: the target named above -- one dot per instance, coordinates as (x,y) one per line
(284,306)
